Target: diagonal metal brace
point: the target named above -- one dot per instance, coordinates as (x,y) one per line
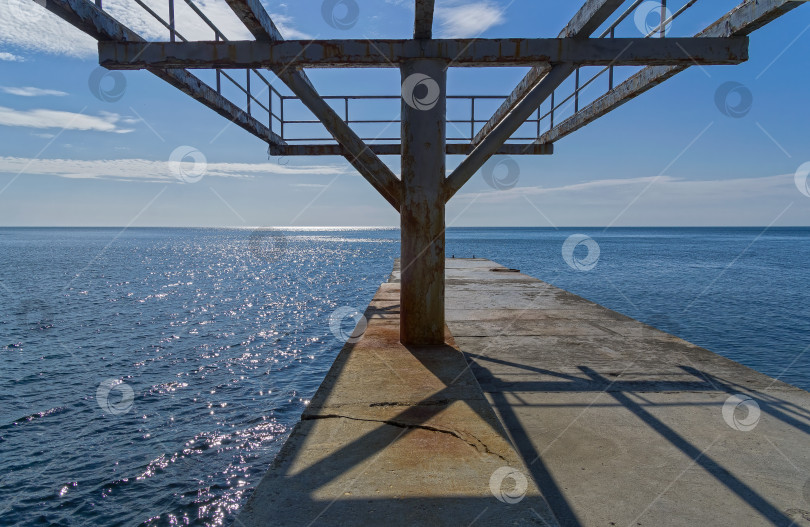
(101,26)
(740,21)
(590,16)
(514,112)
(358,154)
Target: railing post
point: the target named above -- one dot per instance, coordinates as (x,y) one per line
(610,80)
(247,89)
(172,29)
(424,112)
(472,118)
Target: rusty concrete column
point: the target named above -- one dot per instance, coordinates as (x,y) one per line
(422,207)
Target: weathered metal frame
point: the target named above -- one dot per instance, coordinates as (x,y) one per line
(421,195)
(741,21)
(423,19)
(395,149)
(589,17)
(363,53)
(464,128)
(366,162)
(101,26)
(174,35)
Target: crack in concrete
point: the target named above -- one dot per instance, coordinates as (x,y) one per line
(458,435)
(438,402)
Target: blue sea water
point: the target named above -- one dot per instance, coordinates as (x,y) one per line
(149,376)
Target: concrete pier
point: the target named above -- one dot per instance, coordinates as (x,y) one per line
(542,409)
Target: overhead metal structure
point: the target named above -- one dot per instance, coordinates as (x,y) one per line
(423,143)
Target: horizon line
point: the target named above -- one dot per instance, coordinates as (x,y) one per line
(393,227)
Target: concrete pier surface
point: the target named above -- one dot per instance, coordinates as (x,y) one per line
(542,409)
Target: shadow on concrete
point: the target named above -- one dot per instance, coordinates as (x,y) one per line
(619,390)
(292,497)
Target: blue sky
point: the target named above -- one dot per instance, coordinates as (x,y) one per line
(669,157)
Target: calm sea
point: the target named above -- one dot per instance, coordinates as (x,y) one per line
(148,377)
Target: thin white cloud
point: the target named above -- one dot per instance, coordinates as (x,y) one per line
(150,171)
(652,201)
(40,118)
(29,26)
(10,57)
(30,91)
(463,20)
(284,23)
(308,185)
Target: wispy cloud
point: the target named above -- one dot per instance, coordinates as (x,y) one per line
(30,91)
(10,57)
(40,118)
(29,26)
(285,26)
(149,170)
(460,20)
(308,185)
(664,200)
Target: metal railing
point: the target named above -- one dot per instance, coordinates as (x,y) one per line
(251,98)
(459,130)
(610,32)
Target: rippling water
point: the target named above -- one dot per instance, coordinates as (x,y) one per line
(149,376)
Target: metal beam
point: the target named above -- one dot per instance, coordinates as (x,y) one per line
(421,307)
(590,16)
(503,130)
(423,19)
(101,26)
(390,53)
(358,154)
(741,21)
(513,149)
(520,105)
(255,19)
